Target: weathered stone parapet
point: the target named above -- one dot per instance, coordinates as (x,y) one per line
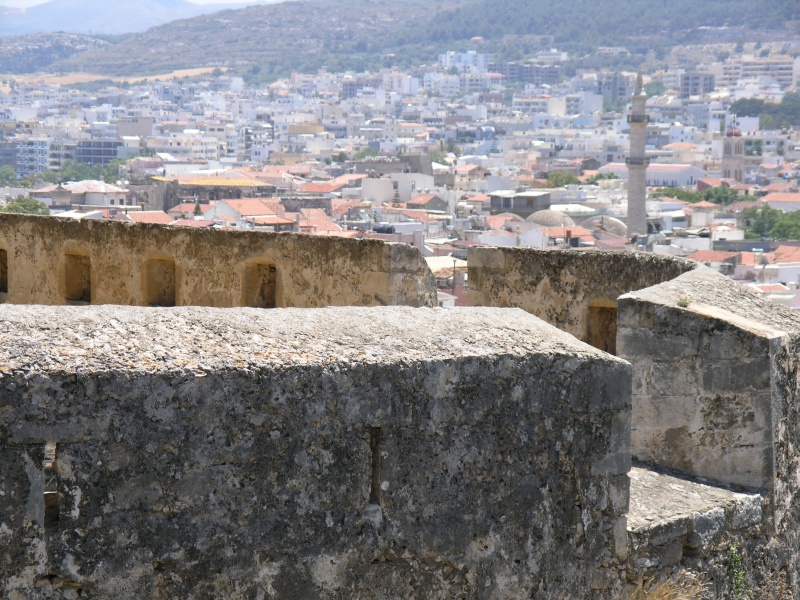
(47,260)
(679,524)
(320,453)
(711,362)
(570,289)
(714,395)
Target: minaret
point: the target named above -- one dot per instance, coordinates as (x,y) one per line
(637,162)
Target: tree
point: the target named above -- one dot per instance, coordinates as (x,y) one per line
(437,155)
(720,195)
(27,206)
(364,154)
(759,221)
(717,195)
(787,227)
(597,177)
(452,148)
(8,176)
(655,88)
(197,210)
(684,195)
(561,179)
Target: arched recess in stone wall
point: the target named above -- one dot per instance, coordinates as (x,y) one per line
(260,284)
(160,281)
(77,277)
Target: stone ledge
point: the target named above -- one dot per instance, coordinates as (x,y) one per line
(39,339)
(671,515)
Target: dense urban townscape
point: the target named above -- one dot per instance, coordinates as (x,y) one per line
(465,152)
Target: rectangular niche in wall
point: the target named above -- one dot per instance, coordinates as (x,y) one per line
(260,285)
(603,328)
(77,278)
(3,271)
(160,282)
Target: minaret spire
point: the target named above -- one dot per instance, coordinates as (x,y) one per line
(637,161)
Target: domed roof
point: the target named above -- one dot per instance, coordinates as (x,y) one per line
(733,132)
(606,223)
(551,218)
(513,216)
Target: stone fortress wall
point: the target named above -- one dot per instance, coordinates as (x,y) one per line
(714,397)
(327,453)
(56,261)
(390,452)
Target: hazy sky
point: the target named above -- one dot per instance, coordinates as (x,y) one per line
(26,3)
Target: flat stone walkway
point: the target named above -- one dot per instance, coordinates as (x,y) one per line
(658,497)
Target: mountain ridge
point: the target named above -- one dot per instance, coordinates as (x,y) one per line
(109,18)
(268,41)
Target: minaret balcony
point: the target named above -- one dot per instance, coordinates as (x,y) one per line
(638,118)
(637,162)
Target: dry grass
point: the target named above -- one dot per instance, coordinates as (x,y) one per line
(685,586)
(72,78)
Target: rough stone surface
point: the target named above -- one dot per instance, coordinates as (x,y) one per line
(677,524)
(320,453)
(715,372)
(124,264)
(704,403)
(560,286)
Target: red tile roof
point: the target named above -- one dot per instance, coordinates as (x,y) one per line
(318,225)
(192,223)
(781,197)
(753,259)
(712,256)
(561,232)
(421,199)
(776,187)
(787,254)
(151,216)
(320,188)
(704,204)
(497,221)
(272,220)
(252,207)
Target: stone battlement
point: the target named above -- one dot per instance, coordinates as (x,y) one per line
(320,453)
(47,260)
(387,452)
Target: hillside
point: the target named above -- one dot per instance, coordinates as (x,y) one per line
(90,16)
(586,24)
(275,38)
(267,41)
(31,53)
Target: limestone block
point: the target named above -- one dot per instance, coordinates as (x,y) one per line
(706,530)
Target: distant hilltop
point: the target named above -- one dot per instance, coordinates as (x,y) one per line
(274,39)
(104,18)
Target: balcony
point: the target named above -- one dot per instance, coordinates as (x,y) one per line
(638,119)
(637,162)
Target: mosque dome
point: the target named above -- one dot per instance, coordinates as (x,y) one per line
(606,223)
(551,218)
